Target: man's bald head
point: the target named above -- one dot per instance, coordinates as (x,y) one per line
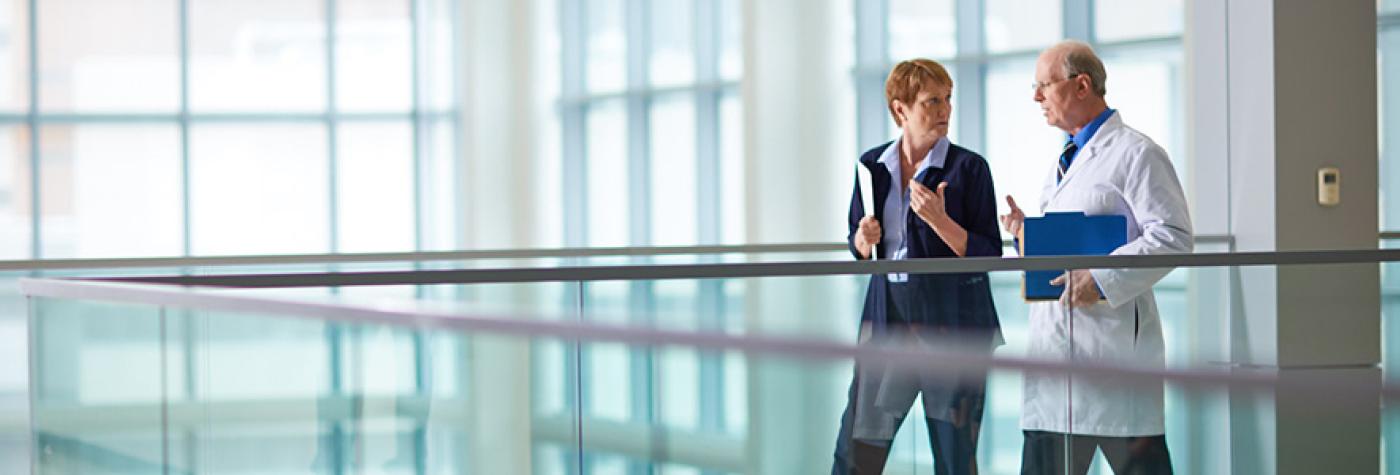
(1074,58)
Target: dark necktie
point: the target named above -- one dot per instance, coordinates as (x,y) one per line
(1066,158)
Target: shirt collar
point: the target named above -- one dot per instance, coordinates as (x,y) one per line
(936,157)
(1088,131)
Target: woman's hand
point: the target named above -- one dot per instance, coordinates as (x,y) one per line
(928,204)
(867,236)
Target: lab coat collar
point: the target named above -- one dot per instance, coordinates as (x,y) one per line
(1102,138)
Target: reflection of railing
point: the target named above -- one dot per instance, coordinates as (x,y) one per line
(950,361)
(132,290)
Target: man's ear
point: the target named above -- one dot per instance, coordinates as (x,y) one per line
(1082,86)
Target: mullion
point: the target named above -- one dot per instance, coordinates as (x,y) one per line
(332,129)
(35,207)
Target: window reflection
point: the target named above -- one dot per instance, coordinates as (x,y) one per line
(375,186)
(921,29)
(673,171)
(1021,147)
(607,46)
(111,191)
(257,56)
(126,58)
(672,37)
(1013,25)
(607,175)
(258,189)
(1116,20)
(374,66)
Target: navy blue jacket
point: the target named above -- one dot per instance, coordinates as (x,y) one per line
(952,302)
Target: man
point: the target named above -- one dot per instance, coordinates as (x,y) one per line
(1105,168)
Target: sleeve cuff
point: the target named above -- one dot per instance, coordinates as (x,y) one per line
(1106,280)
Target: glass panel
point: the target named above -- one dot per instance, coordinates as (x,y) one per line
(607,174)
(673,171)
(921,29)
(1389,140)
(258,189)
(375,179)
(440,59)
(732,170)
(126,58)
(1014,25)
(111,191)
(672,42)
(1388,6)
(1115,21)
(1390,356)
(438,187)
(14,56)
(16,203)
(262,393)
(14,377)
(731,22)
(1021,147)
(374,59)
(97,388)
(612,374)
(606,52)
(1146,89)
(257,56)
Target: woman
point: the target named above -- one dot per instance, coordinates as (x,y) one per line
(932,199)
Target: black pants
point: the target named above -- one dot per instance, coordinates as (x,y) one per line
(1045,453)
(880,398)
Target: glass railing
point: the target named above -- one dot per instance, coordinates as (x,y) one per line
(14,399)
(668,372)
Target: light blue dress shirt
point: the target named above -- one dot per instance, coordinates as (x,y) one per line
(896,212)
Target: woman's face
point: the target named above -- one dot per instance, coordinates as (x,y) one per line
(927,118)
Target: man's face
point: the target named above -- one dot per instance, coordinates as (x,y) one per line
(928,116)
(1054,92)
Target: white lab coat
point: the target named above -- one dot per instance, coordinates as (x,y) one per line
(1119,171)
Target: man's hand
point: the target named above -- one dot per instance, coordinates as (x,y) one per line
(1082,290)
(867,235)
(1013,220)
(928,204)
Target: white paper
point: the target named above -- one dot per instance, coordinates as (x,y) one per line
(867,189)
(867,194)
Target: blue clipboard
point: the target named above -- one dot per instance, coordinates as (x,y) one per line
(1067,234)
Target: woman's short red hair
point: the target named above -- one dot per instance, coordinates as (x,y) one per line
(909,78)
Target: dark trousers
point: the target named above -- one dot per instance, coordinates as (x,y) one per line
(880,398)
(1046,452)
(954,444)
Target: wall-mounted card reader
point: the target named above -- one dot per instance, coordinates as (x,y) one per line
(1329,186)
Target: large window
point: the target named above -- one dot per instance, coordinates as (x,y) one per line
(206,127)
(650,126)
(645,86)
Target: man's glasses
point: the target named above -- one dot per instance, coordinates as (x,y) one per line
(1038,86)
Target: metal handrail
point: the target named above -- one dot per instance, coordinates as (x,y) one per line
(431,256)
(766,269)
